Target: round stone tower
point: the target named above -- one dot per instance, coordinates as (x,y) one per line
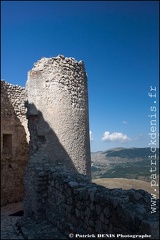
(58,114)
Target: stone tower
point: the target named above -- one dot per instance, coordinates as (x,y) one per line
(58,114)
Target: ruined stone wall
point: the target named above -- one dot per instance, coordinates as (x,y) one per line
(80,207)
(14,142)
(58,113)
(57,177)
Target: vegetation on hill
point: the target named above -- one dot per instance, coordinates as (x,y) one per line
(130,163)
(124,168)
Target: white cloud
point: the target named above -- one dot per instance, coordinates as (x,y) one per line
(91,135)
(124,122)
(116,136)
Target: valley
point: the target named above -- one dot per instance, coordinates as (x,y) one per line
(124,168)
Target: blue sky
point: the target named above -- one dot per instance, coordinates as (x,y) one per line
(117,40)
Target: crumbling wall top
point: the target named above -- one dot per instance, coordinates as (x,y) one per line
(43,62)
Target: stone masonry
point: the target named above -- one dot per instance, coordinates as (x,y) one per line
(71,203)
(58,114)
(14,142)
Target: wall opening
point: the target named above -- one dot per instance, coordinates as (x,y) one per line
(7,143)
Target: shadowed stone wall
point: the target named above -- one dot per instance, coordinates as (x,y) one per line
(77,206)
(14,142)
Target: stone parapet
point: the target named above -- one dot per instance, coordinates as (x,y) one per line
(81,207)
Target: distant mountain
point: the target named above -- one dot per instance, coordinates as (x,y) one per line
(131,163)
(130,152)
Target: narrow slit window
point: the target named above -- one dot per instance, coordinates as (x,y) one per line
(7,143)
